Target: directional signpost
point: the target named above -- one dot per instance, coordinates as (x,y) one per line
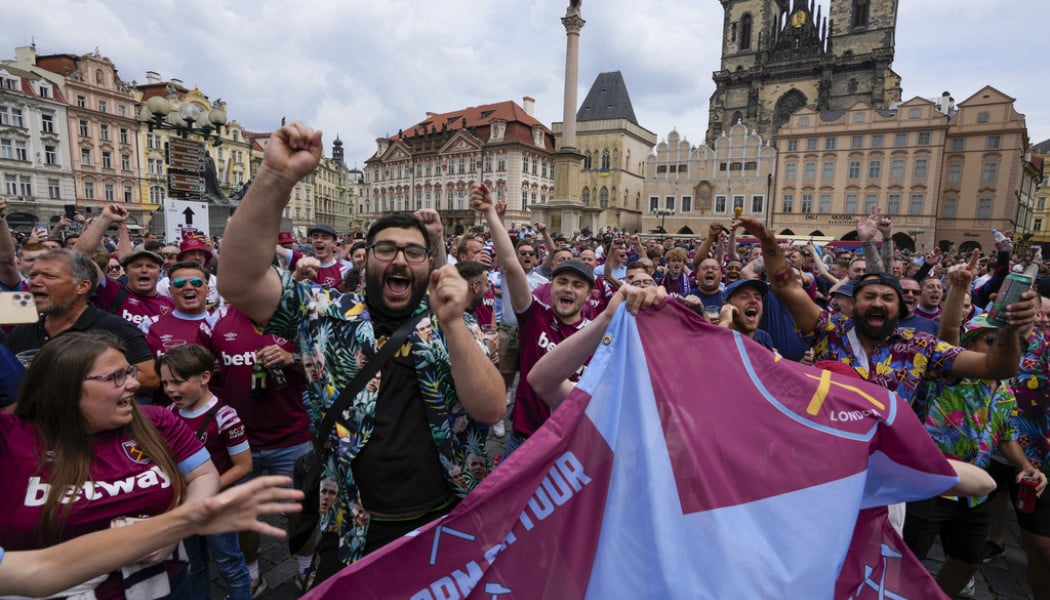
(185,167)
(183,214)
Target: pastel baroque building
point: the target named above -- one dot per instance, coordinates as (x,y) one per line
(688,188)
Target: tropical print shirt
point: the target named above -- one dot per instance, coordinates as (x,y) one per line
(900,363)
(336,337)
(1032,386)
(967,420)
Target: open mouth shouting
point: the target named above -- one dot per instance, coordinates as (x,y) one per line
(398,285)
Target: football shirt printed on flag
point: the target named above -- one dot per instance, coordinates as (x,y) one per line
(742,477)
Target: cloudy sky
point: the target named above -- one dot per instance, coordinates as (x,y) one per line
(365,68)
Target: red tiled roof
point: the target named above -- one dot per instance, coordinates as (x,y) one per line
(475,116)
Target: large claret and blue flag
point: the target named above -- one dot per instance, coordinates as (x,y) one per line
(688,463)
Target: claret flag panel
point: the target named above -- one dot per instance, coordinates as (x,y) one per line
(688,463)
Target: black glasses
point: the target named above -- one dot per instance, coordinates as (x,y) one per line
(182,281)
(169,254)
(526,253)
(118,377)
(912,292)
(113,268)
(386,251)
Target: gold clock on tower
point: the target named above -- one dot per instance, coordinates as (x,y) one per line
(798,19)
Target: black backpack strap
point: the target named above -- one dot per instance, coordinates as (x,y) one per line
(346,395)
(207,420)
(118,300)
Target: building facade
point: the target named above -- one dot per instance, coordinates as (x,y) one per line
(945,174)
(432,164)
(35,166)
(688,188)
(990,179)
(103,132)
(614,148)
(333,192)
(1041,210)
(781,55)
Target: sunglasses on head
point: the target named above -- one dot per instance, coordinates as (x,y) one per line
(182,281)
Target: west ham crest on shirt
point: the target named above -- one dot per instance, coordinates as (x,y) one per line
(134,453)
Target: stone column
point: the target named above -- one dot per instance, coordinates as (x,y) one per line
(573,23)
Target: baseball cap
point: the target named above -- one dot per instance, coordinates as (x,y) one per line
(758,284)
(322,228)
(575,267)
(887,280)
(140,251)
(191,244)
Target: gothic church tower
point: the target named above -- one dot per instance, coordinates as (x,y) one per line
(781,55)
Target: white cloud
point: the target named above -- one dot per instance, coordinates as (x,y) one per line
(365,68)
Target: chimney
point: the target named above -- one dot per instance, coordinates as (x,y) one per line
(152,77)
(529,104)
(25,56)
(431,114)
(176,82)
(382,144)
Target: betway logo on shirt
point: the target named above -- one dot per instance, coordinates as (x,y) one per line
(37,491)
(136,319)
(546,344)
(240,360)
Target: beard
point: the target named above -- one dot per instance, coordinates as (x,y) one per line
(881,332)
(375,286)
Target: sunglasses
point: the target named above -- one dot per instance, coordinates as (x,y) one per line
(182,281)
(911,292)
(169,254)
(113,268)
(526,253)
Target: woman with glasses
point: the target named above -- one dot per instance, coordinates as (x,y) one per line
(79,455)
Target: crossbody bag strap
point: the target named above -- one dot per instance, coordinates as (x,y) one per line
(363,376)
(208,419)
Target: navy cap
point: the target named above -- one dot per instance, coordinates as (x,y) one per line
(846,289)
(758,284)
(575,267)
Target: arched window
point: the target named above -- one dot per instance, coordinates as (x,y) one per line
(605,160)
(586,196)
(587,160)
(745,32)
(603,198)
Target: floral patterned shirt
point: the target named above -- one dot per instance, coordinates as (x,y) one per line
(900,363)
(967,420)
(1032,386)
(336,338)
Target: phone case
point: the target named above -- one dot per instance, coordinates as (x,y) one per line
(17,307)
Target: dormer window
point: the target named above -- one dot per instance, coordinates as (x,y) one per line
(8,83)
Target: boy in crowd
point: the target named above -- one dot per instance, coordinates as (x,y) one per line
(184,374)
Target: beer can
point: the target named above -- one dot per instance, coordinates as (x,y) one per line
(1010,292)
(1026,497)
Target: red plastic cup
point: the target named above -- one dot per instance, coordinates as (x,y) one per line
(1026,497)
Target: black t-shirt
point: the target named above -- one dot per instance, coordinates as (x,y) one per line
(33,336)
(399,469)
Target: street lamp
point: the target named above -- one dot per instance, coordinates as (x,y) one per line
(160,113)
(663,213)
